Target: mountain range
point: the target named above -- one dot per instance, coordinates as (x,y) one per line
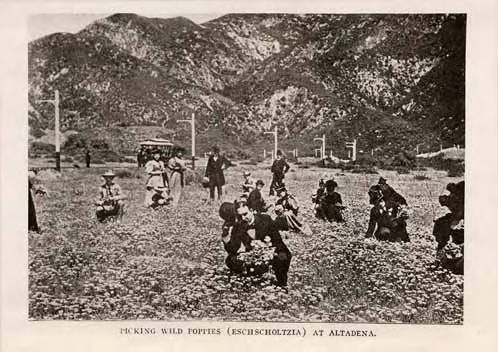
(390,81)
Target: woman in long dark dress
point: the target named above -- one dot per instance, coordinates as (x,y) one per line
(214,171)
(32,222)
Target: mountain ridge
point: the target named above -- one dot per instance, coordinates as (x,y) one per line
(384,79)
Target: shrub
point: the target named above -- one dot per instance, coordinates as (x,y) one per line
(402,170)
(124,173)
(193,176)
(128,159)
(421,177)
(456,170)
(41,148)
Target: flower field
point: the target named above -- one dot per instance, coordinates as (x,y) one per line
(168,264)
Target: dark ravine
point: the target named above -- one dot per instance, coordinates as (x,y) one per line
(392,81)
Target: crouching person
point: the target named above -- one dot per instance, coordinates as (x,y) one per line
(261,227)
(234,240)
(111,201)
(387,219)
(160,197)
(330,207)
(286,209)
(449,229)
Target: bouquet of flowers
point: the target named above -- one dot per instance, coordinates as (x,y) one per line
(258,259)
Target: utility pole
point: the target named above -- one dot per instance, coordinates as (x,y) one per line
(275,138)
(192,125)
(352,145)
(322,139)
(56,102)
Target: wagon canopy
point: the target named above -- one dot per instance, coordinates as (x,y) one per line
(156,142)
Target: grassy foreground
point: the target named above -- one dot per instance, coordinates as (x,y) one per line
(169,264)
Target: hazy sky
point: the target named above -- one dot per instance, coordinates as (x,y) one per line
(43,24)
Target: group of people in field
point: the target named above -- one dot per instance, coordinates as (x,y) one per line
(251,217)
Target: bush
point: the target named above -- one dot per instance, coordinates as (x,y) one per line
(193,176)
(41,148)
(128,159)
(402,170)
(124,173)
(421,177)
(456,170)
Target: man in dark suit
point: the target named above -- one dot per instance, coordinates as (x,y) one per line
(279,168)
(214,171)
(259,226)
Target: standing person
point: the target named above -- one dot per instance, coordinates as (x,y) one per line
(176,165)
(141,157)
(88,158)
(32,222)
(258,227)
(38,189)
(214,171)
(279,169)
(111,201)
(155,169)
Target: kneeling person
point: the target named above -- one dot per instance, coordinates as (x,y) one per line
(259,227)
(331,207)
(111,201)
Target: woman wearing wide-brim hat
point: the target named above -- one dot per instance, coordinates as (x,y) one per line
(155,169)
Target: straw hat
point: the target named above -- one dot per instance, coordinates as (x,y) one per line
(246,173)
(109,173)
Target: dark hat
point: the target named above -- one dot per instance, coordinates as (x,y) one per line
(330,184)
(227,212)
(260,182)
(321,182)
(382,181)
(156,151)
(279,152)
(216,149)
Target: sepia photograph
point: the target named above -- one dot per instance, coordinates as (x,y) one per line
(247,167)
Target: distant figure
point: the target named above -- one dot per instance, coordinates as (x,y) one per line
(449,229)
(387,217)
(176,165)
(155,169)
(279,168)
(111,201)
(317,198)
(214,171)
(141,157)
(88,158)
(330,203)
(248,185)
(255,200)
